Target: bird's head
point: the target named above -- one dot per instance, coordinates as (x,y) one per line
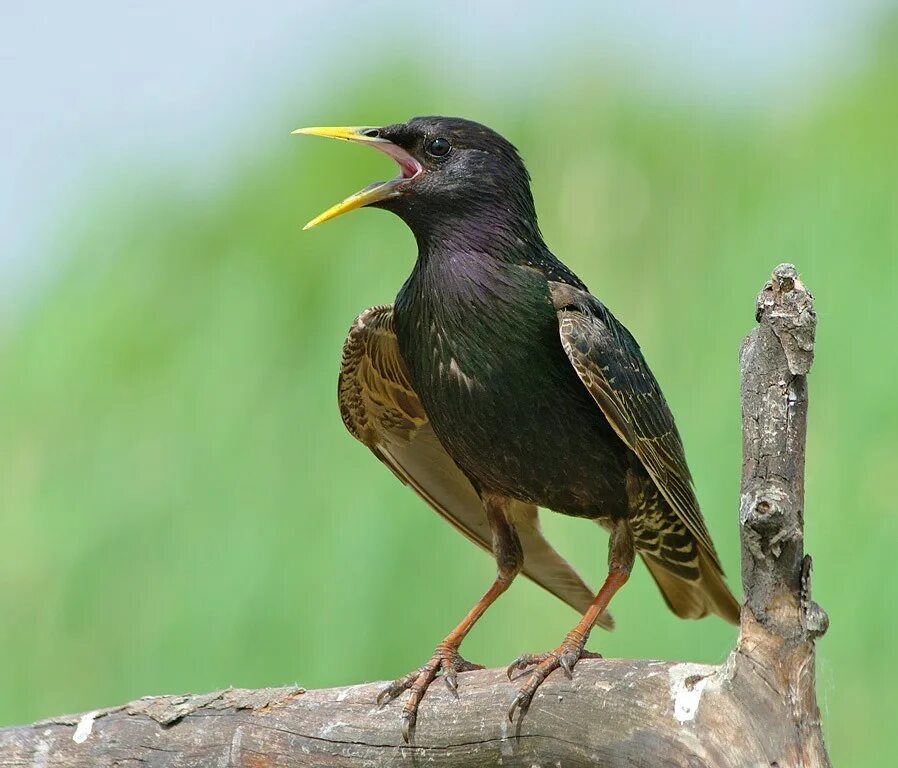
(451,170)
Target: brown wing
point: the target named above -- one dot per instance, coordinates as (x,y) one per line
(611,366)
(380,409)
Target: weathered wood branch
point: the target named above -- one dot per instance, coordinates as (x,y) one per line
(757,709)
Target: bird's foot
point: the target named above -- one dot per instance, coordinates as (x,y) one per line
(446,661)
(540,665)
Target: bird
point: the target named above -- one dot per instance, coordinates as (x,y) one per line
(497,384)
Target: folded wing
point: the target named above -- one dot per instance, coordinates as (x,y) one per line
(611,366)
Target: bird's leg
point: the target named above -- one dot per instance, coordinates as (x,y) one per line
(621,554)
(446,659)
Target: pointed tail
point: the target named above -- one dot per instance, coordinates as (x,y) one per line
(695,599)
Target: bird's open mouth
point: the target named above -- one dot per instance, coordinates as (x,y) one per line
(409,168)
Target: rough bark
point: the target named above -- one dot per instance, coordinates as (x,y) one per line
(757,709)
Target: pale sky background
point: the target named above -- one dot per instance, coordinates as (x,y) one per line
(93,87)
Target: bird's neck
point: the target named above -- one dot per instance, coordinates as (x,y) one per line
(493,232)
(474,287)
(487,244)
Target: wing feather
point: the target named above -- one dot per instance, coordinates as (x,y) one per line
(608,361)
(611,366)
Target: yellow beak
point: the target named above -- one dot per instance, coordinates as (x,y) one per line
(375,192)
(346,133)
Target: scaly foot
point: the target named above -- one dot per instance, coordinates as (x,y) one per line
(445,660)
(539,665)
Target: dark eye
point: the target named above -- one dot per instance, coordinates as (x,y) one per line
(438,148)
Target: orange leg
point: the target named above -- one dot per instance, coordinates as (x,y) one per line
(571,650)
(446,658)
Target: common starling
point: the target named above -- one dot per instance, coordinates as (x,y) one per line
(496,384)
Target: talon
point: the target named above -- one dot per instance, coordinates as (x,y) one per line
(567,666)
(385,695)
(565,656)
(511,669)
(521,663)
(521,701)
(445,660)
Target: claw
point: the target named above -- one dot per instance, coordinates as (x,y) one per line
(385,695)
(391,691)
(565,656)
(523,661)
(451,681)
(521,701)
(445,659)
(566,665)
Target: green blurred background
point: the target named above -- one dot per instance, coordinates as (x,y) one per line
(180,506)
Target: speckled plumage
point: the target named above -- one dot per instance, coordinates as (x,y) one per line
(497,383)
(480,339)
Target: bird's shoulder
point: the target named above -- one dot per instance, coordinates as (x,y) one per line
(555,272)
(573,302)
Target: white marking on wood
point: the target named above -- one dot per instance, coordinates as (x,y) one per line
(40,754)
(84,727)
(236,746)
(344,692)
(506,747)
(687,683)
(331,727)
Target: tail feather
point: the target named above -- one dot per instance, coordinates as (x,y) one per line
(695,599)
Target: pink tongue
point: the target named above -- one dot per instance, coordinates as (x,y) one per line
(407,163)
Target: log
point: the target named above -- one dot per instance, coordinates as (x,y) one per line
(759,708)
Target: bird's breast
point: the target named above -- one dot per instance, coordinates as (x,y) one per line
(484,356)
(473,332)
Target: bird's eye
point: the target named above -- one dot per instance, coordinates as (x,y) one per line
(438,148)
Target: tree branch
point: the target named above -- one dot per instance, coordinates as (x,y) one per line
(757,709)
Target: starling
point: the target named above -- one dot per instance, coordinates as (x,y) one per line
(496,384)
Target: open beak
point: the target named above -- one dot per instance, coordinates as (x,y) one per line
(409,168)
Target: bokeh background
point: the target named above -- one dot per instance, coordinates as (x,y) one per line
(180,506)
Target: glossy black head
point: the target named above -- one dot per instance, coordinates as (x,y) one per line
(469,170)
(454,172)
